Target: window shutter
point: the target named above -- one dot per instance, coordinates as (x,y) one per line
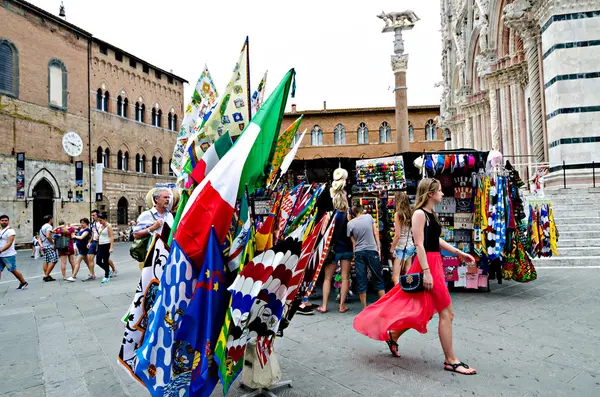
(6,68)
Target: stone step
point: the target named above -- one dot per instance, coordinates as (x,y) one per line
(580,242)
(578,234)
(590,191)
(567,261)
(575,220)
(585,227)
(576,212)
(579,251)
(576,200)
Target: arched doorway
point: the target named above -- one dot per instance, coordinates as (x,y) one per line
(122,209)
(43,203)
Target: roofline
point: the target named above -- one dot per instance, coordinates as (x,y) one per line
(53,17)
(360,110)
(130,55)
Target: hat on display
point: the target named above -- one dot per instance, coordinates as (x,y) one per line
(418,163)
(494,159)
(440,163)
(429,166)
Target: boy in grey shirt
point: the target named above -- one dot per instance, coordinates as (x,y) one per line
(364,234)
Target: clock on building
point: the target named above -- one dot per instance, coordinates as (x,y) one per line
(72,144)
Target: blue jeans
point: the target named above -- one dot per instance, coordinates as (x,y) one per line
(362,259)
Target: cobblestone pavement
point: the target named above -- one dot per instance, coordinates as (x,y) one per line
(540,339)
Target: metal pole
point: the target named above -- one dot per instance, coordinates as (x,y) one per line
(564,175)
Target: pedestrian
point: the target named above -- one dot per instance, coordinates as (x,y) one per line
(402,247)
(35,247)
(364,234)
(50,255)
(82,239)
(66,249)
(93,246)
(152,220)
(106,241)
(399,311)
(342,246)
(8,254)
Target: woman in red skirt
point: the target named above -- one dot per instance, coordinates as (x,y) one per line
(397,311)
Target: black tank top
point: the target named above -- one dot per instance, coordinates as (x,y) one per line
(433,231)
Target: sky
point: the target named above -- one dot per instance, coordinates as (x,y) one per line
(337,47)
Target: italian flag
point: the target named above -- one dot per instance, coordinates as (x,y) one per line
(211,157)
(213,201)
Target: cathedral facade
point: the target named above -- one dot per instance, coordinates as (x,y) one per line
(522,77)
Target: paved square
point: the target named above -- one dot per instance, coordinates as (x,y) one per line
(538,339)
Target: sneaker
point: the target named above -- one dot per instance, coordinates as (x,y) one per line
(306,311)
(114,274)
(110,274)
(23,286)
(49,278)
(105,280)
(71,279)
(89,278)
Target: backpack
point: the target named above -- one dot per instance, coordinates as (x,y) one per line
(62,242)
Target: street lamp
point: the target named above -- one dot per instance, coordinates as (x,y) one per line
(69,196)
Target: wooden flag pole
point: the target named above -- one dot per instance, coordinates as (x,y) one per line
(248,79)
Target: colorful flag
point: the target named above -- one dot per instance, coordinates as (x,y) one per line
(316,261)
(213,201)
(155,355)
(185,195)
(204,97)
(211,157)
(192,365)
(287,161)
(259,95)
(240,236)
(308,209)
(136,320)
(264,234)
(287,206)
(283,146)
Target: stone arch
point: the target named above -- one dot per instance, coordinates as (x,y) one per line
(104,143)
(47,175)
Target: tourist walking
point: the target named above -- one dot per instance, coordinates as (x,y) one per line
(50,255)
(364,234)
(399,311)
(65,247)
(35,247)
(8,254)
(93,247)
(82,239)
(402,247)
(106,241)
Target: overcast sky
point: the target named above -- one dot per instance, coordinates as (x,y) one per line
(338,50)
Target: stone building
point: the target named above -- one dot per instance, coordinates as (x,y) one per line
(520,76)
(56,78)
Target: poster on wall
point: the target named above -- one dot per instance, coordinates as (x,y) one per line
(20,176)
(385,173)
(99,168)
(79,196)
(79,174)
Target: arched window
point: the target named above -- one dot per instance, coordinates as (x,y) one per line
(153,117)
(122,210)
(57,84)
(172,121)
(140,112)
(99,155)
(126,161)
(160,166)
(339,135)
(154,165)
(138,163)
(106,158)
(363,134)
(99,99)
(171,169)
(119,160)
(316,136)
(431,131)
(143,163)
(119,106)
(385,133)
(175,122)
(411,132)
(296,138)
(9,68)
(125,110)
(106,101)
(159,118)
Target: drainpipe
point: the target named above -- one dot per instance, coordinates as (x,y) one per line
(89,60)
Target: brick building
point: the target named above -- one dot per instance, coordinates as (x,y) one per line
(56,78)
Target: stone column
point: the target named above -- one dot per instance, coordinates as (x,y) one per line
(468,134)
(494,126)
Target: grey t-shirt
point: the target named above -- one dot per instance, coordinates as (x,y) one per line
(361,229)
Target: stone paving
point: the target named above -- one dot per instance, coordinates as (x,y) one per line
(540,339)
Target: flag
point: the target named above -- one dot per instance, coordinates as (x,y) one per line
(155,355)
(287,206)
(264,234)
(240,234)
(317,259)
(213,201)
(259,95)
(204,97)
(281,149)
(308,209)
(136,320)
(287,161)
(195,339)
(211,157)
(185,195)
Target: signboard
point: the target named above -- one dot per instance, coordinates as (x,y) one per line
(385,173)
(20,176)
(79,174)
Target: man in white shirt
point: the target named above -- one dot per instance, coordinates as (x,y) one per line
(50,255)
(153,220)
(8,254)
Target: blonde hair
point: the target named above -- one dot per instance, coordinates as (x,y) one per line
(403,209)
(426,186)
(340,202)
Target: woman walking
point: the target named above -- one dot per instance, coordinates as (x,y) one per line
(81,241)
(66,249)
(398,311)
(403,248)
(106,241)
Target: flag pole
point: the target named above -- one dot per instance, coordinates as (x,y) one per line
(249,94)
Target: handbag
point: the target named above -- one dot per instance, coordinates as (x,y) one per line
(62,243)
(139,247)
(413,282)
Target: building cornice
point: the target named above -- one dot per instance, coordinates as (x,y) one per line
(385,109)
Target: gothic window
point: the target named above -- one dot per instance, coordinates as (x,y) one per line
(154,165)
(99,155)
(119,160)
(156,116)
(122,104)
(159,118)
(138,163)
(172,121)
(9,68)
(160,166)
(106,101)
(316,136)
(385,133)
(140,110)
(363,134)
(99,99)
(126,161)
(57,84)
(106,158)
(339,135)
(431,131)
(171,169)
(411,132)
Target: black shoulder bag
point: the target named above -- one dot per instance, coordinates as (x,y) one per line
(413,282)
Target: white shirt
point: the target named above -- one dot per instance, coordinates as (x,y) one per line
(43,231)
(95,226)
(4,236)
(147,218)
(103,236)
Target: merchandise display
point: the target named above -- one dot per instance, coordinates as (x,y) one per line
(379,174)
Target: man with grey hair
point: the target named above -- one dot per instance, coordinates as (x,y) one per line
(153,220)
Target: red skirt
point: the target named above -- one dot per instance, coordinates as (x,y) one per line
(398,310)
